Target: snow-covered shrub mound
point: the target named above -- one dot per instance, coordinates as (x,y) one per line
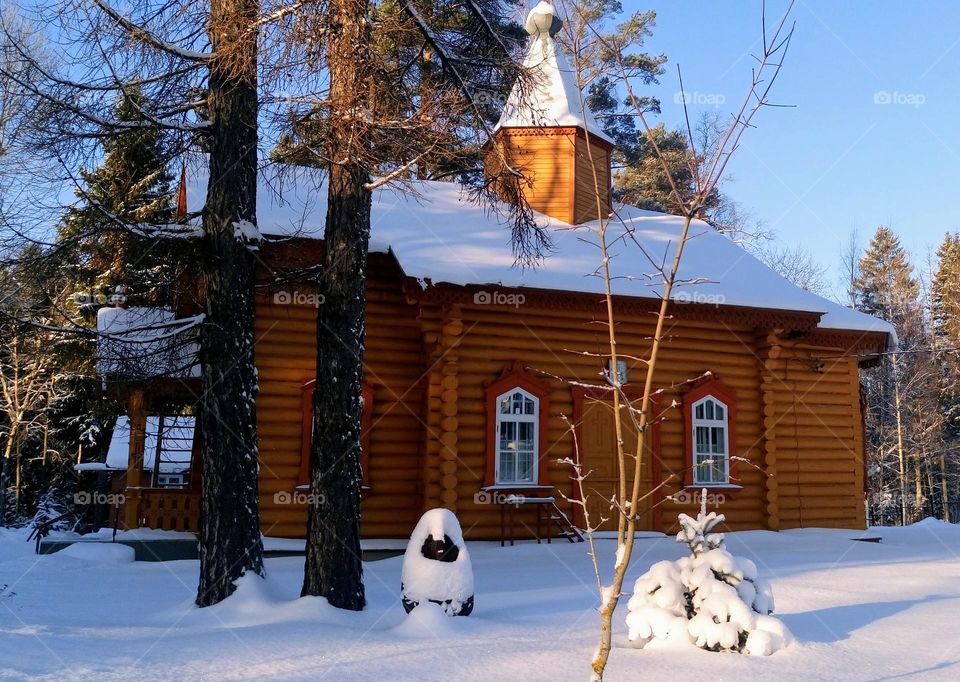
(712,598)
(108,553)
(436,565)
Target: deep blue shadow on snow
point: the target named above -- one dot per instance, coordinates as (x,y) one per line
(836,623)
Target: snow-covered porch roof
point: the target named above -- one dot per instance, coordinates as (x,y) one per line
(144,342)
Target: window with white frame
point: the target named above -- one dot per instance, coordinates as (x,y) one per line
(711,442)
(517,439)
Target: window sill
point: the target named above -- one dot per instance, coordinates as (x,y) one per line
(517,486)
(722,487)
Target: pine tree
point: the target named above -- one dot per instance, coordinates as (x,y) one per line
(897,389)
(631,145)
(945,333)
(131,186)
(97,257)
(714,598)
(413,113)
(643,182)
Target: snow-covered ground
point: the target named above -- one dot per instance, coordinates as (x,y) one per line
(860,611)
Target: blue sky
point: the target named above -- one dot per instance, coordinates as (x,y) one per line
(873,137)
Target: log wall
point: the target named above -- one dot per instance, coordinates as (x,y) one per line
(819,439)
(393,363)
(798,422)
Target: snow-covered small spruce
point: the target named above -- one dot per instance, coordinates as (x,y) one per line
(710,598)
(436,565)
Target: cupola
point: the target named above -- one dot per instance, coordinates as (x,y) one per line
(547,134)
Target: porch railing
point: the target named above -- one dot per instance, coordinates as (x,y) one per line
(170,509)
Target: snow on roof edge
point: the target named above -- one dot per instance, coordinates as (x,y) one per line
(436,233)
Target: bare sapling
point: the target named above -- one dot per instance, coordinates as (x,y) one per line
(596,54)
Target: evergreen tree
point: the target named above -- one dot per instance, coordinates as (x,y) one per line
(131,186)
(897,389)
(99,257)
(603,99)
(644,183)
(945,323)
(410,87)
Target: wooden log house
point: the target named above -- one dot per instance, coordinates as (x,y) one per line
(471,363)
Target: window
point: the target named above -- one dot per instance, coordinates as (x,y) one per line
(518,405)
(170,481)
(517,417)
(709,416)
(711,452)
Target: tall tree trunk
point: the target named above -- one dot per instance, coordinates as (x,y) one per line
(944,486)
(901,451)
(333,565)
(230,542)
(5,476)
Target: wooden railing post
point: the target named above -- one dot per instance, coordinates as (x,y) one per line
(137,414)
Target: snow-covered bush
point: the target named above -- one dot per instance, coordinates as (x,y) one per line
(436,565)
(712,598)
(53,504)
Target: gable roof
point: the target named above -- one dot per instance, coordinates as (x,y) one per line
(439,235)
(549,96)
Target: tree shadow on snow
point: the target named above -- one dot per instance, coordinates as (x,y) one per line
(837,623)
(914,673)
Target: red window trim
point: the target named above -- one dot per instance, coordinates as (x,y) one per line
(515,375)
(710,386)
(580,396)
(306,431)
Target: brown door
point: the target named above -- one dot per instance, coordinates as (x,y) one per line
(598,454)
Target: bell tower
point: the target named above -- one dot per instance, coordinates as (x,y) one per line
(547,132)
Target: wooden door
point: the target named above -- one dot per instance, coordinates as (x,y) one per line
(598,454)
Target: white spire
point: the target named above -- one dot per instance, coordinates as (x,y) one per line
(553,99)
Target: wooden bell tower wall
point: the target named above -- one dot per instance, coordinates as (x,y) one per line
(556,164)
(586,183)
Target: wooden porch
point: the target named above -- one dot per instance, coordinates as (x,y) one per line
(155,506)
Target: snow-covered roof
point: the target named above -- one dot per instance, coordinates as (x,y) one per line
(143,342)
(550,96)
(437,233)
(175,446)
